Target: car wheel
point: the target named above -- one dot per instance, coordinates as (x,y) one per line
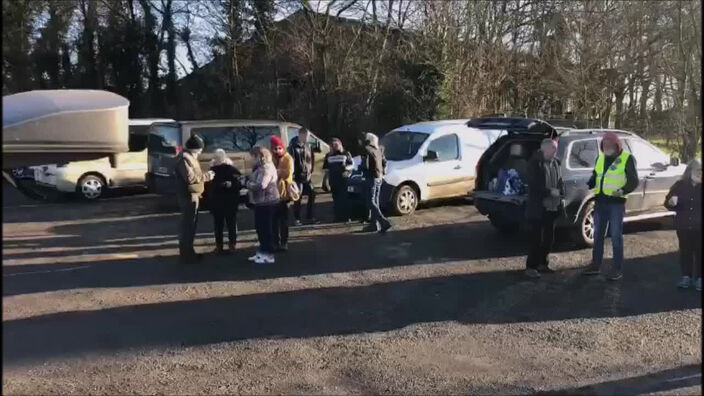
(405,200)
(584,234)
(503,226)
(91,187)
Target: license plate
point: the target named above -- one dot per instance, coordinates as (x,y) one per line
(350,189)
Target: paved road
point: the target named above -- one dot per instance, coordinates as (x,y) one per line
(95,302)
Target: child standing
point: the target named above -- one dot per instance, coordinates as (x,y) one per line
(685,198)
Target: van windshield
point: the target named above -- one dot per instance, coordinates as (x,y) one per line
(400,146)
(164,139)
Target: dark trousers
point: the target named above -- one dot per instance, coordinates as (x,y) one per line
(187,228)
(377,218)
(339,201)
(306,188)
(280,225)
(264,224)
(222,216)
(690,252)
(608,215)
(542,233)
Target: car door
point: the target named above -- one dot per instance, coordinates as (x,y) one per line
(445,174)
(657,174)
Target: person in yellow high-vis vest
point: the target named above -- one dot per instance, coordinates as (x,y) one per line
(614,177)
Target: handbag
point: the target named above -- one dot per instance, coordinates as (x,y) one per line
(293,191)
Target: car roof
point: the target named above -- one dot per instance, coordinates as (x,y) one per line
(431,127)
(148,121)
(596,131)
(236,121)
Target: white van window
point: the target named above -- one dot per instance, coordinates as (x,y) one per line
(583,154)
(446,147)
(647,155)
(293,132)
(235,139)
(399,146)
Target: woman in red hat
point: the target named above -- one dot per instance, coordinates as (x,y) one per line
(284,166)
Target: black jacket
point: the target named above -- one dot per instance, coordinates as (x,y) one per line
(631,180)
(373,162)
(689,204)
(303,161)
(542,176)
(336,164)
(220,195)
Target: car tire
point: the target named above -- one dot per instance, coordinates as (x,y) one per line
(503,226)
(405,200)
(91,187)
(583,234)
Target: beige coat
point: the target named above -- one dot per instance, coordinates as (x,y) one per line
(190,178)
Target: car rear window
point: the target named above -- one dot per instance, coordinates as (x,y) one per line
(164,138)
(583,154)
(235,139)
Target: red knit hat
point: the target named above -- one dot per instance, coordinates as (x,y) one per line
(612,138)
(275,142)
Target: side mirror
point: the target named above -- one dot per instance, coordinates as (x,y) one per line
(674,161)
(431,156)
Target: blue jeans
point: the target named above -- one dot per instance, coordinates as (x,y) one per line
(608,214)
(374,190)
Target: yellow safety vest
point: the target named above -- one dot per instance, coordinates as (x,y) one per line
(615,176)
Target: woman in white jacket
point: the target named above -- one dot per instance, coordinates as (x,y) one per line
(264,195)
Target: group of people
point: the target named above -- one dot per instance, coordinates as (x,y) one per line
(614,177)
(279,178)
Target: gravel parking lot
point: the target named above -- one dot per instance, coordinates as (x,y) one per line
(94,301)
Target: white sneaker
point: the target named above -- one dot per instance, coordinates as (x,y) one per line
(684,282)
(265,259)
(255,257)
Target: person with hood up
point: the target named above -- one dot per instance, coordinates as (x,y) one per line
(614,177)
(685,198)
(303,167)
(284,168)
(224,199)
(373,165)
(190,184)
(545,191)
(264,195)
(339,164)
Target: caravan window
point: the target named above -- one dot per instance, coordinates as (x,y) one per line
(235,139)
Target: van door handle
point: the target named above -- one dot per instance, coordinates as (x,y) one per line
(458,167)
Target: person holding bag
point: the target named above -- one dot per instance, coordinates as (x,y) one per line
(685,198)
(287,192)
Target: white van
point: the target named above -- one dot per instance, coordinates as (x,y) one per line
(429,160)
(90,178)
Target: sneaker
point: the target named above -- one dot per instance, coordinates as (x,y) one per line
(297,223)
(699,284)
(385,228)
(684,282)
(255,257)
(592,270)
(614,277)
(532,273)
(265,259)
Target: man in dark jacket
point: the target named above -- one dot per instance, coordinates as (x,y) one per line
(339,163)
(373,164)
(614,177)
(190,182)
(545,191)
(303,161)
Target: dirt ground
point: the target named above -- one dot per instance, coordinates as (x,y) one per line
(94,301)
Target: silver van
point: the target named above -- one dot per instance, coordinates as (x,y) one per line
(236,137)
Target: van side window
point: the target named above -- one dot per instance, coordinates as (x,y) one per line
(446,147)
(138,135)
(583,154)
(647,155)
(234,139)
(293,132)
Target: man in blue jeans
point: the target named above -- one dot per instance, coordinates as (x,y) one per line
(614,177)
(373,164)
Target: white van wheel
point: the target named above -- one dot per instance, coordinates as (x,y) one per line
(91,187)
(405,200)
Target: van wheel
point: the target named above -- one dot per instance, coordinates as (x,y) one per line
(503,226)
(91,187)
(405,200)
(584,233)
